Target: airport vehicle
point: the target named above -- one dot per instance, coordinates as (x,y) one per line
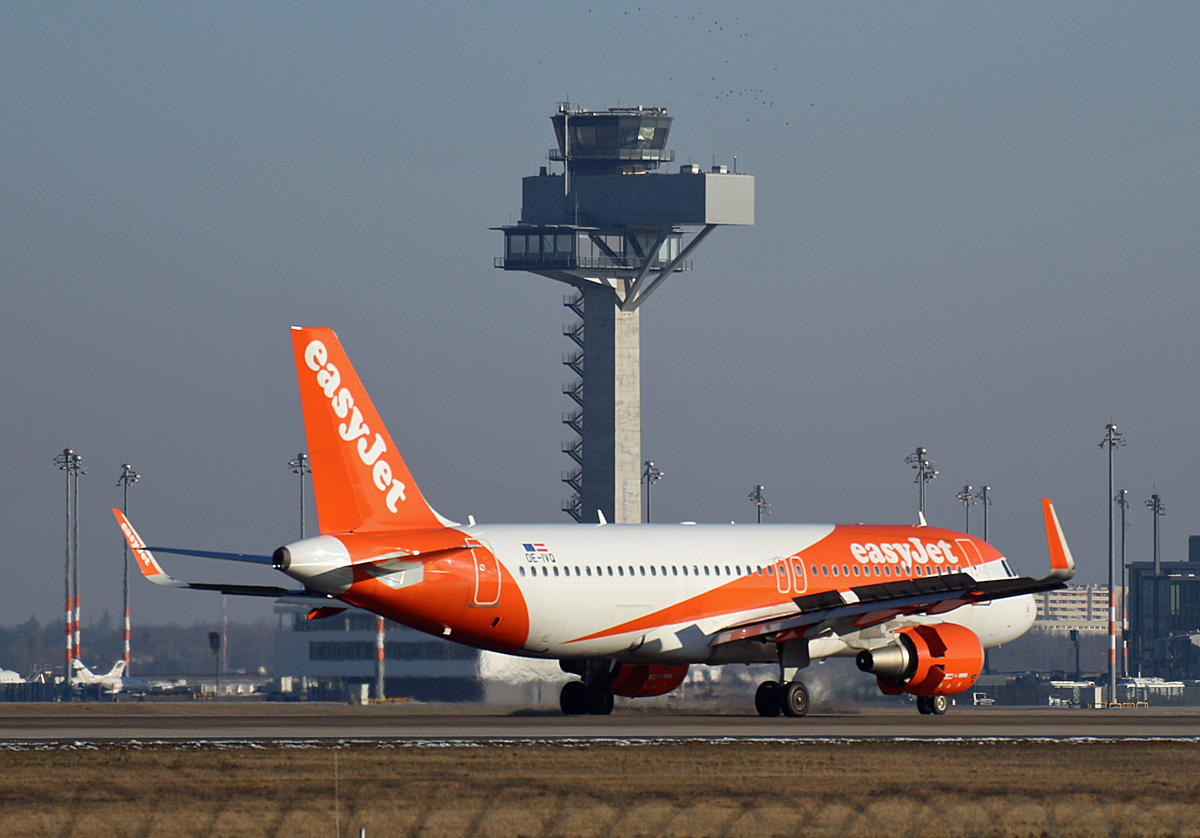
(114,681)
(628,608)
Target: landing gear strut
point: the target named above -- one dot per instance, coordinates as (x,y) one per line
(787,695)
(772,698)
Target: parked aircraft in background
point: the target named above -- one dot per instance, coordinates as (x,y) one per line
(114,681)
(7,676)
(628,608)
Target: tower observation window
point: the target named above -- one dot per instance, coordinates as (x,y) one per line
(583,136)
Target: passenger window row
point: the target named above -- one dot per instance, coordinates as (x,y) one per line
(663,571)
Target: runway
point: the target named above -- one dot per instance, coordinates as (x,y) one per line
(133,722)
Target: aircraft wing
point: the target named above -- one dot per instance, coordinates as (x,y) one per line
(868,605)
(153,571)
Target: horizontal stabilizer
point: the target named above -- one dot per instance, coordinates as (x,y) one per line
(153,571)
(252,558)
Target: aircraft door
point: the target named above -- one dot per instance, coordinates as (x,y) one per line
(799,577)
(487,575)
(783,577)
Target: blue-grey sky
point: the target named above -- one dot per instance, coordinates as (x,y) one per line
(976,231)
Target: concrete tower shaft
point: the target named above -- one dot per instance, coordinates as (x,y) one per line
(615,228)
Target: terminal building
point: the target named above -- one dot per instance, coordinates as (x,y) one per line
(1082,608)
(1164,617)
(334,658)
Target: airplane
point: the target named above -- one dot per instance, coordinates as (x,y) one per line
(629,608)
(8,676)
(114,681)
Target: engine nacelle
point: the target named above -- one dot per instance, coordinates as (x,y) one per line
(642,680)
(926,660)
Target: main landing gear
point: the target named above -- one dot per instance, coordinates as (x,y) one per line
(578,699)
(787,695)
(932,705)
(773,698)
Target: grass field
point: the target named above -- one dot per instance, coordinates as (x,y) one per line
(865,788)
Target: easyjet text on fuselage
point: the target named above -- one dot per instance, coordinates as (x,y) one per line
(914,550)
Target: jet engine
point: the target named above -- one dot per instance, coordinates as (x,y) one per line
(642,680)
(926,661)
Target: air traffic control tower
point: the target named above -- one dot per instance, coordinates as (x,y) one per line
(614,226)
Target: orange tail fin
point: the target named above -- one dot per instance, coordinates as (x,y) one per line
(359,478)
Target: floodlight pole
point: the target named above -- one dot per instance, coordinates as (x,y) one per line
(1122,501)
(651,474)
(72,463)
(301,467)
(75,472)
(380,657)
(127,478)
(985,501)
(1112,439)
(966,499)
(223,664)
(1157,509)
(919,460)
(760,502)
(65,462)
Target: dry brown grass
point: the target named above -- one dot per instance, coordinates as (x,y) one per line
(685,789)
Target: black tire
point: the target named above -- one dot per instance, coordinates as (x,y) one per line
(766,699)
(938,705)
(924,705)
(793,699)
(599,701)
(573,699)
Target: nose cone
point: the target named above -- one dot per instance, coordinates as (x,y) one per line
(321,563)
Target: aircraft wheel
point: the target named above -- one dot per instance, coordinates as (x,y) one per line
(599,701)
(766,698)
(938,705)
(793,699)
(924,705)
(573,699)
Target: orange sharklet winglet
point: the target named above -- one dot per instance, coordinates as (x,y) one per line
(1062,563)
(146,562)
